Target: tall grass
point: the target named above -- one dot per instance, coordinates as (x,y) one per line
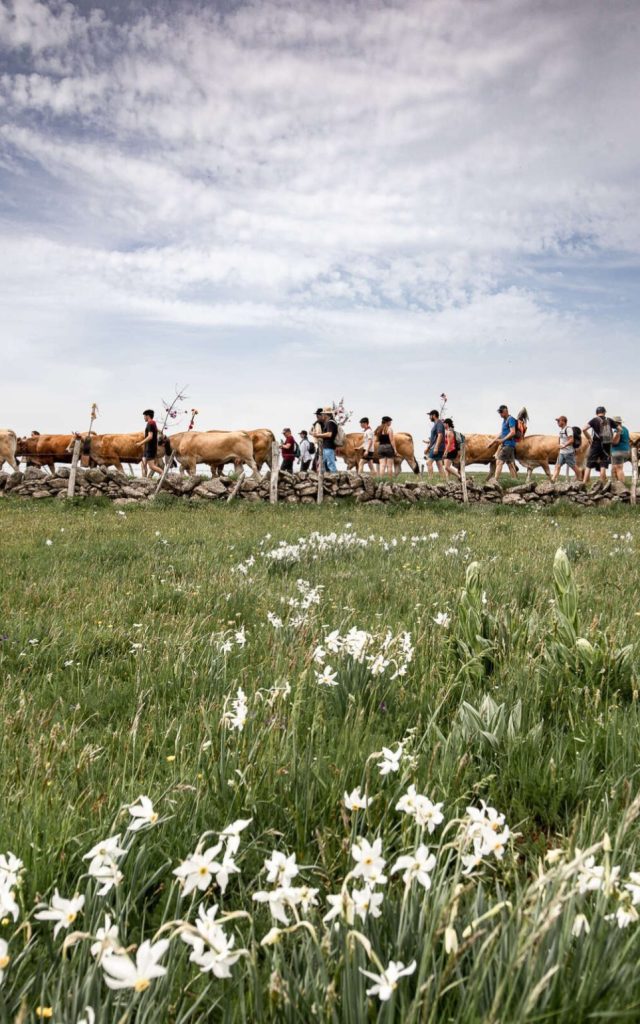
(125,641)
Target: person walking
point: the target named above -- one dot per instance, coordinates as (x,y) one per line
(307,451)
(368,447)
(149,445)
(620,450)
(327,433)
(435,453)
(288,450)
(601,432)
(386,447)
(316,430)
(507,438)
(566,450)
(451,454)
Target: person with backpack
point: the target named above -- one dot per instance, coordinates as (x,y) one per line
(620,450)
(601,432)
(435,452)
(368,447)
(452,444)
(507,443)
(289,450)
(386,447)
(307,451)
(569,440)
(328,432)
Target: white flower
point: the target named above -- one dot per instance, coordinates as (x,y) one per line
(387,982)
(8,903)
(4,958)
(278,900)
(10,868)
(427,814)
(197,871)
(122,972)
(142,813)
(319,655)
(369,861)
(327,677)
(333,641)
(625,915)
(281,870)
(107,873)
(495,842)
(355,801)
(633,886)
(341,905)
(390,760)
(63,912)
(471,861)
(378,665)
(366,902)
(593,877)
(416,867)
(231,834)
(88,1017)
(580,925)
(240,637)
(275,620)
(48,543)
(106,852)
(237,717)
(106,940)
(212,947)
(442,619)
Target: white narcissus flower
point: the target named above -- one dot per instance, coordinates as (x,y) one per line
(342,906)
(237,717)
(106,849)
(10,868)
(442,619)
(369,861)
(142,813)
(633,887)
(387,982)
(594,877)
(231,834)
(63,912)
(378,665)
(367,902)
(355,801)
(416,866)
(327,677)
(390,760)
(319,655)
(281,870)
(278,902)
(122,972)
(625,915)
(5,959)
(107,873)
(88,1017)
(198,870)
(471,861)
(8,903)
(428,815)
(212,948)
(241,637)
(333,641)
(495,842)
(106,940)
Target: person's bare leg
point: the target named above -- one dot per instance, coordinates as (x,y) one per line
(496,475)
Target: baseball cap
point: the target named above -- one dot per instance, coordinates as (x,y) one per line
(502,408)
(562,417)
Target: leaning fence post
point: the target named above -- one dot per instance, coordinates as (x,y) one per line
(71,488)
(168,463)
(236,486)
(634,474)
(275,472)
(320,446)
(463,473)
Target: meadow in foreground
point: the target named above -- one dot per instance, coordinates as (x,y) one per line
(296,764)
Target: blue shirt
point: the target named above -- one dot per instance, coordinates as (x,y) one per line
(624,444)
(437,428)
(507,425)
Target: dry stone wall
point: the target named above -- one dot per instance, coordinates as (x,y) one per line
(300,488)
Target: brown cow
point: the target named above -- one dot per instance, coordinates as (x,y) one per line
(113,449)
(351,451)
(45,449)
(262,440)
(8,445)
(212,447)
(536,450)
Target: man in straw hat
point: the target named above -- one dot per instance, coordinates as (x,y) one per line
(620,451)
(326,431)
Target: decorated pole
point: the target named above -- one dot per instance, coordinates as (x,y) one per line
(320,446)
(77,449)
(170,412)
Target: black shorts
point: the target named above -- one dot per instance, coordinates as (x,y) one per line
(598,458)
(368,456)
(150,451)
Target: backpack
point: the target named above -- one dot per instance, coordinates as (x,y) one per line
(311,448)
(577,437)
(296,450)
(521,429)
(341,436)
(459,438)
(606,435)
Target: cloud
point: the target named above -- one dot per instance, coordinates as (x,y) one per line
(438,180)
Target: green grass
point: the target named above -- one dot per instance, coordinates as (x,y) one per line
(528,700)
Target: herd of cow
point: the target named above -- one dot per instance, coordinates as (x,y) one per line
(253,448)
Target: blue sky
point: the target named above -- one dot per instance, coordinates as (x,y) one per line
(280,203)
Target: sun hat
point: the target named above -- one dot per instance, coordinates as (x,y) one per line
(328,410)
(617,419)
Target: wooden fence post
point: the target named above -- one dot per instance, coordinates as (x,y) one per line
(71,489)
(320,446)
(236,486)
(463,472)
(168,463)
(634,474)
(275,473)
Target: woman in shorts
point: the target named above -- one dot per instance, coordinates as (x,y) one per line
(620,452)
(386,446)
(451,449)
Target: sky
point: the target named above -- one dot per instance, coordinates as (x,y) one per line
(279,203)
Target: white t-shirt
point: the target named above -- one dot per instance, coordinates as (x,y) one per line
(367,440)
(566,440)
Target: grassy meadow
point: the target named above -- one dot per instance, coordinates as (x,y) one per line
(243,670)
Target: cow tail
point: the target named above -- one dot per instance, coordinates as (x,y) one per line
(167,445)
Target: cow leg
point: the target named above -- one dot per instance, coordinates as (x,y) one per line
(545,466)
(12,462)
(252,465)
